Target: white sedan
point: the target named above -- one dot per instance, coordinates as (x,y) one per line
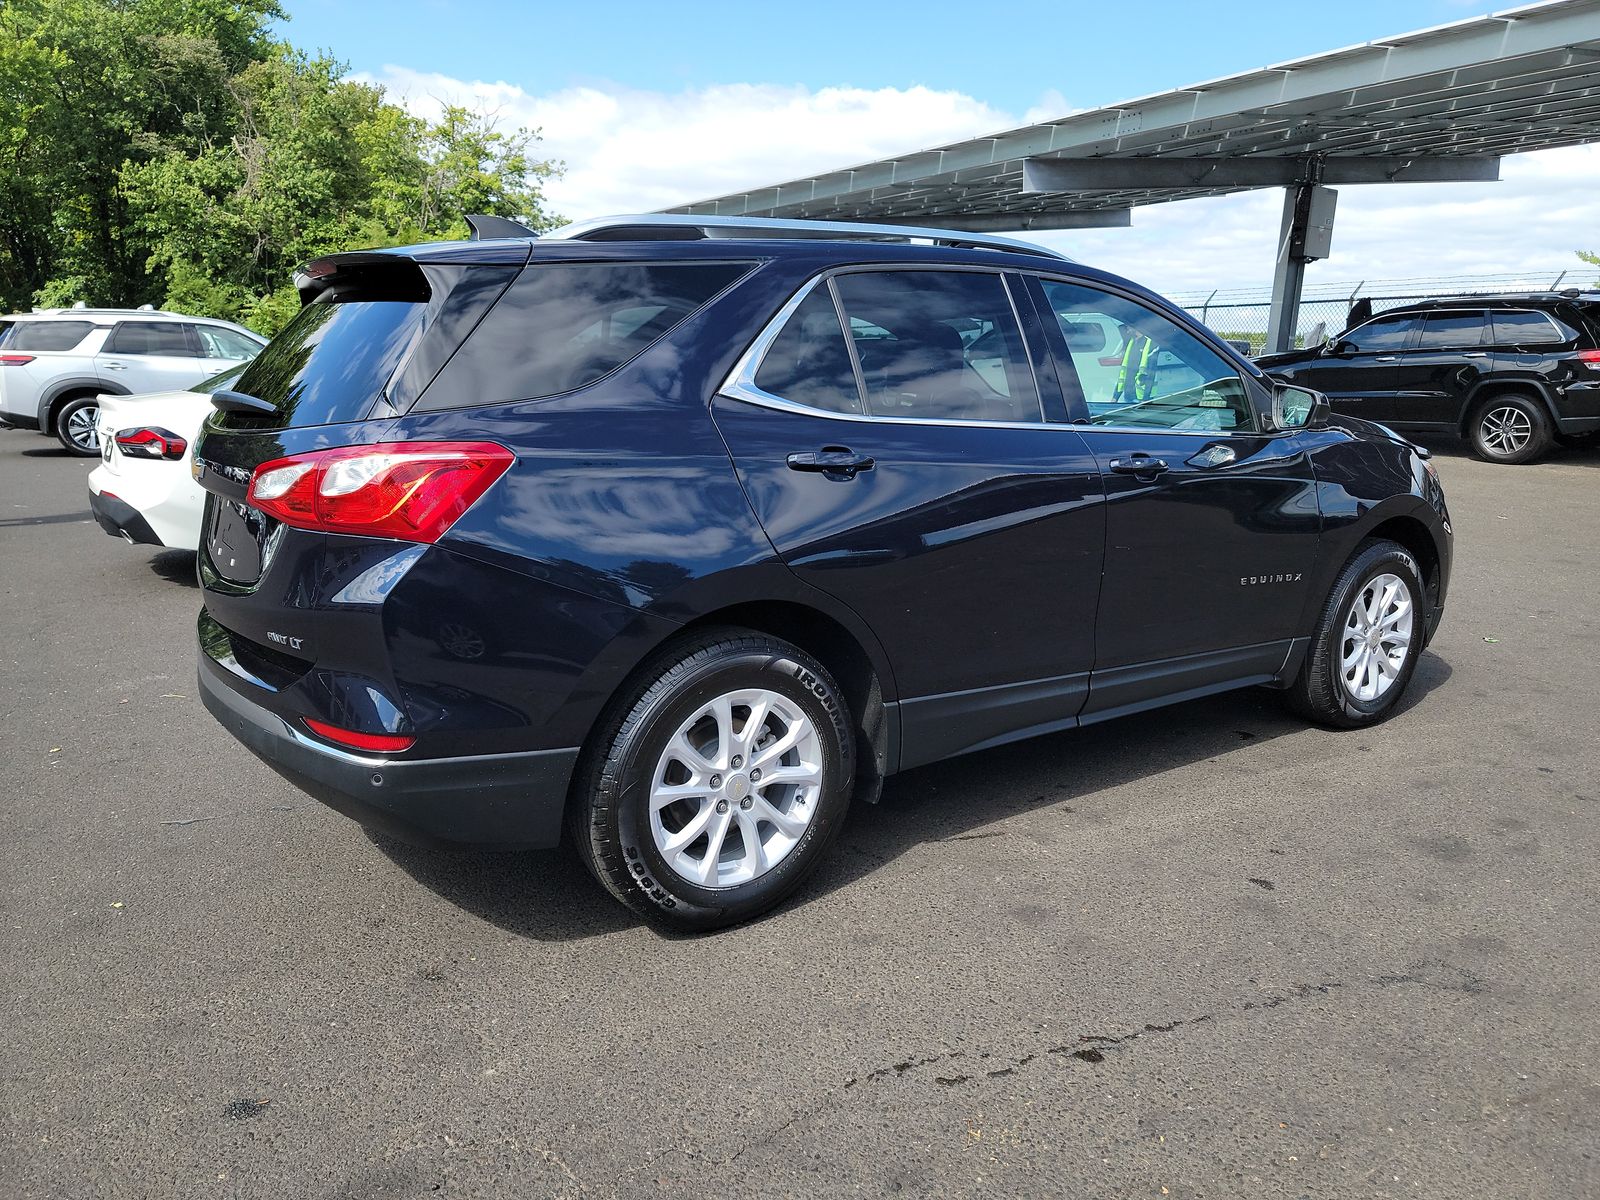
(143,491)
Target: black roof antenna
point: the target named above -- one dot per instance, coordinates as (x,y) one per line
(484,227)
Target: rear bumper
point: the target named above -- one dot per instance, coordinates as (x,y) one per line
(492,801)
(13,420)
(121,519)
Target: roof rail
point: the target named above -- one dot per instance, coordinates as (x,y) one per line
(680,227)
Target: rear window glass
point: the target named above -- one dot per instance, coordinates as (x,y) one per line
(332,361)
(809,362)
(564,325)
(47,335)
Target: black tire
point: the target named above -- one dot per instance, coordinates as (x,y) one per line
(64,421)
(1319,693)
(1497,423)
(608,813)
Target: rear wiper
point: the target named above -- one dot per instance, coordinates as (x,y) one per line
(241,402)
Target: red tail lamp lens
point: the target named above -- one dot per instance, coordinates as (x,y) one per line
(386,743)
(151,443)
(15,360)
(411,491)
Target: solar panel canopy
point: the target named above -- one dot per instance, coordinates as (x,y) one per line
(1439,103)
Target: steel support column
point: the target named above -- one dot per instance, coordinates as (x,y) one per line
(1304,235)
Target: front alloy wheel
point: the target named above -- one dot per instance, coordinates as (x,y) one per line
(710,793)
(1377,637)
(1367,641)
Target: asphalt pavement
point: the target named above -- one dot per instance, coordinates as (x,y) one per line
(1206,951)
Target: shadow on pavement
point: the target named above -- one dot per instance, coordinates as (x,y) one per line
(549,895)
(176,566)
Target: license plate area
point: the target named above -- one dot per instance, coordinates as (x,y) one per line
(236,538)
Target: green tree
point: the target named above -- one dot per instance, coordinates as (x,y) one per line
(175,152)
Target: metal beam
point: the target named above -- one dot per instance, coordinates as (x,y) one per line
(1115,174)
(1099,218)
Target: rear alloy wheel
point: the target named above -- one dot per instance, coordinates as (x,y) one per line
(715,794)
(1367,642)
(77,426)
(1509,429)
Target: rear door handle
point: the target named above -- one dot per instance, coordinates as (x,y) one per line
(831,460)
(1387,358)
(114,366)
(1476,354)
(1139,465)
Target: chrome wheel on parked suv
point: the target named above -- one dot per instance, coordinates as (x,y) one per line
(1509,429)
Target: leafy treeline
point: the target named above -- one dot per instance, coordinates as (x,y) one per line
(177,153)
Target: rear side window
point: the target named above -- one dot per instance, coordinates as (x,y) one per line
(809,362)
(939,345)
(47,335)
(151,337)
(564,325)
(1451,331)
(333,360)
(1527,329)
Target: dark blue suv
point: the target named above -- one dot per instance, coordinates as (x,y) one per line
(683,535)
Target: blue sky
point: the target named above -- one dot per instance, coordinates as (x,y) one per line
(650,105)
(1090,53)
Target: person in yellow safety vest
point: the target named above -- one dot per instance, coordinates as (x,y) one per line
(1137,353)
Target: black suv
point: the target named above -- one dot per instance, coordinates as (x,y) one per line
(1509,373)
(686,535)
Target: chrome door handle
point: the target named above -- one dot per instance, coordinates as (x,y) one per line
(1476,354)
(1387,358)
(115,366)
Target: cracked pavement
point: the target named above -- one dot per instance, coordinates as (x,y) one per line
(1206,951)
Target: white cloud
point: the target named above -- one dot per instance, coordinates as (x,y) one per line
(631,150)
(635,151)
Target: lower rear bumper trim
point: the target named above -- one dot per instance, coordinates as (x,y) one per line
(495,801)
(121,519)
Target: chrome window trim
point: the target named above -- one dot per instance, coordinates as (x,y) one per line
(740,383)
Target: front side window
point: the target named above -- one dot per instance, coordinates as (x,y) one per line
(217,342)
(150,337)
(1451,331)
(47,335)
(1138,368)
(939,345)
(1527,329)
(1386,335)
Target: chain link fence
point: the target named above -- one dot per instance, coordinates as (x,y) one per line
(1240,315)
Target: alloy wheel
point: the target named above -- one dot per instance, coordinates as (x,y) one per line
(1377,637)
(82,428)
(1506,429)
(736,788)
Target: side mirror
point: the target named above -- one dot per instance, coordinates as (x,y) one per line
(1337,348)
(1299,408)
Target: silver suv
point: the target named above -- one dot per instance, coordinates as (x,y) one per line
(55,362)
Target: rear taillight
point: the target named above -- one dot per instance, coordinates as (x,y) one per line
(151,442)
(1590,358)
(381,743)
(411,491)
(15,360)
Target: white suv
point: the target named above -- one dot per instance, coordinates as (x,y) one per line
(54,363)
